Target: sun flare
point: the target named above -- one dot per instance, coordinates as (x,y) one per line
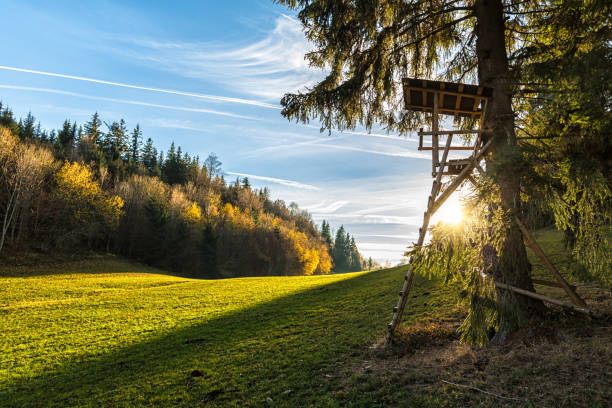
(450,213)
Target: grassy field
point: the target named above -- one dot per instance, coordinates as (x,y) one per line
(107,332)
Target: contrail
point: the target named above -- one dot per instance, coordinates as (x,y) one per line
(289,183)
(129,102)
(145,88)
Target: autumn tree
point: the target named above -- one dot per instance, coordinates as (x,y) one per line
(89,214)
(23,168)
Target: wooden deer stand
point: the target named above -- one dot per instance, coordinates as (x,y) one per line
(468,101)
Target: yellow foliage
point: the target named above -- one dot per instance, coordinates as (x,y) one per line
(193,213)
(325,261)
(76,186)
(308,257)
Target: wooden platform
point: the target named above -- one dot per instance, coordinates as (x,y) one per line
(455,99)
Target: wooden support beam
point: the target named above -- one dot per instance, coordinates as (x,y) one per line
(461,177)
(531,243)
(450,148)
(434,127)
(459,95)
(435,189)
(544,298)
(445,111)
(452,132)
(421,139)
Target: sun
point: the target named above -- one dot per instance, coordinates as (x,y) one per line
(450,213)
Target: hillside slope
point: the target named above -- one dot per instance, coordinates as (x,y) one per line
(112,332)
(107,332)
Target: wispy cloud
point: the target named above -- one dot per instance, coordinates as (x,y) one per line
(326,207)
(406,153)
(144,88)
(127,101)
(166,123)
(267,68)
(288,183)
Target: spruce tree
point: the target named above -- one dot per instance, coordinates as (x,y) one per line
(136,144)
(368,46)
(93,129)
(326,234)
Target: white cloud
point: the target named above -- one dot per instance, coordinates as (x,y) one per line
(267,68)
(326,207)
(288,183)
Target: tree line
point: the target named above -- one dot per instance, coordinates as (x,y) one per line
(101,187)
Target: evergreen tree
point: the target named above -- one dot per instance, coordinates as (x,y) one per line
(341,251)
(90,143)
(149,156)
(66,139)
(326,234)
(208,249)
(136,144)
(355,258)
(27,129)
(368,46)
(245,183)
(115,145)
(7,120)
(156,211)
(174,169)
(93,131)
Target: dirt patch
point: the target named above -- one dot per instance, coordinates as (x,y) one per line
(563,361)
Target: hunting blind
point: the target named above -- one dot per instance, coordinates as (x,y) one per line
(460,101)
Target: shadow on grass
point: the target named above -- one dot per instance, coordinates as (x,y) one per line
(283,349)
(95,264)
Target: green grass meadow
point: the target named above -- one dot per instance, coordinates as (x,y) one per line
(106,332)
(112,333)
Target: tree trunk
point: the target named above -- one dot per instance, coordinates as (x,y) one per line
(513,267)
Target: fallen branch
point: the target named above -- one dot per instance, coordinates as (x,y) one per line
(483,391)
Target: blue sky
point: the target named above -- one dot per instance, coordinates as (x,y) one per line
(209,76)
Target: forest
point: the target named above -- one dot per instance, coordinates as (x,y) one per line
(99,187)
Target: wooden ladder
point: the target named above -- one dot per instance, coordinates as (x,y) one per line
(435,201)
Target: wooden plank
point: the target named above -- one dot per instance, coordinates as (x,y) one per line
(452,132)
(544,298)
(450,148)
(531,242)
(459,95)
(444,111)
